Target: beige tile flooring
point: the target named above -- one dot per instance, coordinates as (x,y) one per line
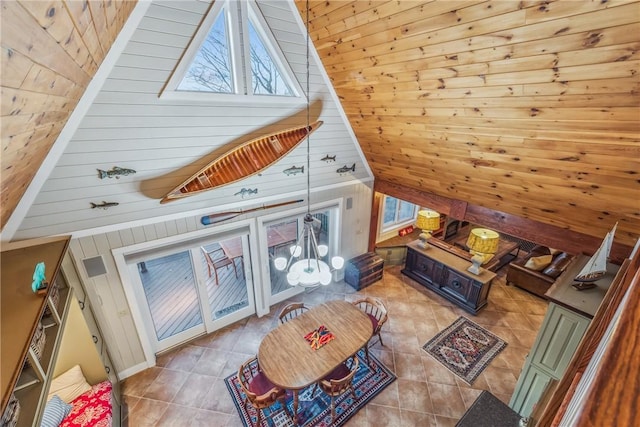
(186,388)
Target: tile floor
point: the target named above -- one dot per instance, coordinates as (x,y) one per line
(187,388)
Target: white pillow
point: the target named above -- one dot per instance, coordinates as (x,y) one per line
(69,385)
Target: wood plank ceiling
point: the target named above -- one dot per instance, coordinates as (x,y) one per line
(50,52)
(528,108)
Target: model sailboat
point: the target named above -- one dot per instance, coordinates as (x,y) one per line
(596,267)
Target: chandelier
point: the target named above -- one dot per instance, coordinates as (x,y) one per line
(309,269)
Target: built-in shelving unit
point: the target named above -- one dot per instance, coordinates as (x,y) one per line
(22,310)
(68,340)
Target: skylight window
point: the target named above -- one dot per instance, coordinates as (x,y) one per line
(233,53)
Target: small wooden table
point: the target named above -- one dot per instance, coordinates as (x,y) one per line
(288,360)
(282,235)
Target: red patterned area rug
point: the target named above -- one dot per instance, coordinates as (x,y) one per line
(465,348)
(315,409)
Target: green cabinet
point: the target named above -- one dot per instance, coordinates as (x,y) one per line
(557,341)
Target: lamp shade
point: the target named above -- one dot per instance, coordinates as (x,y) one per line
(428,220)
(483,241)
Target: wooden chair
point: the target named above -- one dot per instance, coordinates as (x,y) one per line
(339,381)
(257,388)
(217,259)
(292,310)
(377,312)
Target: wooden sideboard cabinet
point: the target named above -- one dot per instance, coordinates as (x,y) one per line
(446,274)
(565,323)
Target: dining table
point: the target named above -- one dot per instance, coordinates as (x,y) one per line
(288,360)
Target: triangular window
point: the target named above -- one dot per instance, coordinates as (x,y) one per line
(211,70)
(233,53)
(266,78)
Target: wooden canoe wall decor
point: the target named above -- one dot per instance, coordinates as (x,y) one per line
(243,161)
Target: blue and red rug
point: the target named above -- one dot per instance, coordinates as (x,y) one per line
(315,411)
(465,348)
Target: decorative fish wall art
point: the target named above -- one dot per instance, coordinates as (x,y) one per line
(104,205)
(115,172)
(346,169)
(329,158)
(246,192)
(293,170)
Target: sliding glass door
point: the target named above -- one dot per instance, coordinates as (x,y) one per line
(192,288)
(282,234)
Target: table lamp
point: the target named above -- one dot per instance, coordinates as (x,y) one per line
(428,221)
(482,244)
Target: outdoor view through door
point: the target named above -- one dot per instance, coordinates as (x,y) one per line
(187,291)
(283,234)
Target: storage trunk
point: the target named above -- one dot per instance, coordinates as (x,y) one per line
(363,270)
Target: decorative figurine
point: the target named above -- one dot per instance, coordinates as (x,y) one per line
(116,171)
(293,170)
(346,169)
(246,192)
(39,285)
(103,205)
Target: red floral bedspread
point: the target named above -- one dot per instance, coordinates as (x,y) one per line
(92,408)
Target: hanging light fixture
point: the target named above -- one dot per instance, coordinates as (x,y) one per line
(309,269)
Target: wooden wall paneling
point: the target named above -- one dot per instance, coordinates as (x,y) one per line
(53,17)
(81,15)
(24,35)
(15,101)
(96,8)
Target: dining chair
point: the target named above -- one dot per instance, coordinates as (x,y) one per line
(339,381)
(377,312)
(217,259)
(292,310)
(258,390)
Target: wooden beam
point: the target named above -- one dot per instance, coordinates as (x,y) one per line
(376,203)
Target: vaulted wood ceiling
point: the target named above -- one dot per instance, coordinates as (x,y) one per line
(530,108)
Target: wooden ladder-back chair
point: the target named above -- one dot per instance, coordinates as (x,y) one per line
(292,310)
(217,259)
(339,381)
(377,312)
(258,390)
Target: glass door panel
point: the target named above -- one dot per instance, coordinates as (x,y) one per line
(280,237)
(171,293)
(226,284)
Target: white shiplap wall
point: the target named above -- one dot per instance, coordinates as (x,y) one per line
(166,141)
(107,294)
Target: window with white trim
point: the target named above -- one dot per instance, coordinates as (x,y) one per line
(397,213)
(233,53)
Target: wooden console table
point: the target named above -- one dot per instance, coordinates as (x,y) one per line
(446,274)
